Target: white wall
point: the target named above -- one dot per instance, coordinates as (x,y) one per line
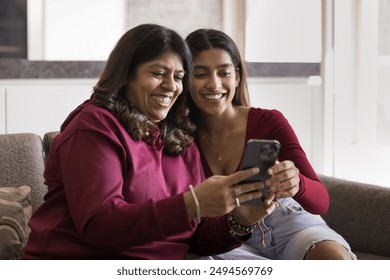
(40,106)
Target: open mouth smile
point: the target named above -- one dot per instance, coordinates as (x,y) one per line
(162,99)
(214,96)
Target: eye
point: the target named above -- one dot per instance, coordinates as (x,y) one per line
(199,75)
(158,75)
(179,78)
(225,73)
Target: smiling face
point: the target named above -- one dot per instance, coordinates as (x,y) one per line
(214,81)
(156,85)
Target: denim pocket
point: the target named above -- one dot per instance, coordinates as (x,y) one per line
(290,206)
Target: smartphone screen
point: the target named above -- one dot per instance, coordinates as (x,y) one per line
(262,154)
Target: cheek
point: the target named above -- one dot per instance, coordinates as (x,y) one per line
(231,83)
(193,92)
(179,88)
(195,86)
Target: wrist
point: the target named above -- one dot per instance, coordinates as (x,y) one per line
(238,231)
(192,204)
(242,220)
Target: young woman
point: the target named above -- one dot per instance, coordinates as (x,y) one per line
(220,107)
(121,171)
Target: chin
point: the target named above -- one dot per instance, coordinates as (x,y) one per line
(159,118)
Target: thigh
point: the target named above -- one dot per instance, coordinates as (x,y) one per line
(302,241)
(290,231)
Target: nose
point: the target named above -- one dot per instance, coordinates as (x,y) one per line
(169,84)
(214,83)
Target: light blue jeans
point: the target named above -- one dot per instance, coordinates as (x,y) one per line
(287,234)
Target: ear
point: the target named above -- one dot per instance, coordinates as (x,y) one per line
(237,76)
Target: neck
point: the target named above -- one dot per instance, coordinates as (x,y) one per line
(216,132)
(217,124)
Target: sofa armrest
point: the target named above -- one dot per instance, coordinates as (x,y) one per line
(22,163)
(359,212)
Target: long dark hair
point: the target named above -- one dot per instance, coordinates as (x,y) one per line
(141,44)
(206,39)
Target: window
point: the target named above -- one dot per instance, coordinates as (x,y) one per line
(343,122)
(361,91)
(13,29)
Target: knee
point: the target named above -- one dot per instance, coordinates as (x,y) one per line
(327,250)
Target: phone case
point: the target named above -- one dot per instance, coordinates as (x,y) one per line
(263,154)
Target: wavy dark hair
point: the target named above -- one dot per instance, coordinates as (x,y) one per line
(141,44)
(206,39)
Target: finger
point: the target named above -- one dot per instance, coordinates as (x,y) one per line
(248,187)
(280,166)
(291,183)
(288,185)
(277,180)
(270,208)
(249,196)
(269,199)
(287,193)
(241,175)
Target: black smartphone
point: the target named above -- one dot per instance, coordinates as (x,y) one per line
(262,154)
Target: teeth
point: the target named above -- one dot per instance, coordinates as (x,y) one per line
(162,99)
(213,96)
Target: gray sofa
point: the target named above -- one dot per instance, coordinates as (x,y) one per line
(357,211)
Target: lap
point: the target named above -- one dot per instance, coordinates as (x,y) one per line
(287,233)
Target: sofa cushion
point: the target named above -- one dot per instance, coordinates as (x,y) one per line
(15,212)
(22,163)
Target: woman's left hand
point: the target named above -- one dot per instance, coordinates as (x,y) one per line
(284,181)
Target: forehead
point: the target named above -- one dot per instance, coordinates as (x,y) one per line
(169,60)
(213,57)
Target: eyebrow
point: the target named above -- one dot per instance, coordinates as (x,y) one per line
(165,67)
(196,67)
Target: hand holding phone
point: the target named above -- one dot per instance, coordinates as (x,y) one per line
(262,154)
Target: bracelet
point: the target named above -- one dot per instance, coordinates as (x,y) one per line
(196,202)
(234,226)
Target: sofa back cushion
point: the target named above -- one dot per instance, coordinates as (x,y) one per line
(22,163)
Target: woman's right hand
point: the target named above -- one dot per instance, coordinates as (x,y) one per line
(217,194)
